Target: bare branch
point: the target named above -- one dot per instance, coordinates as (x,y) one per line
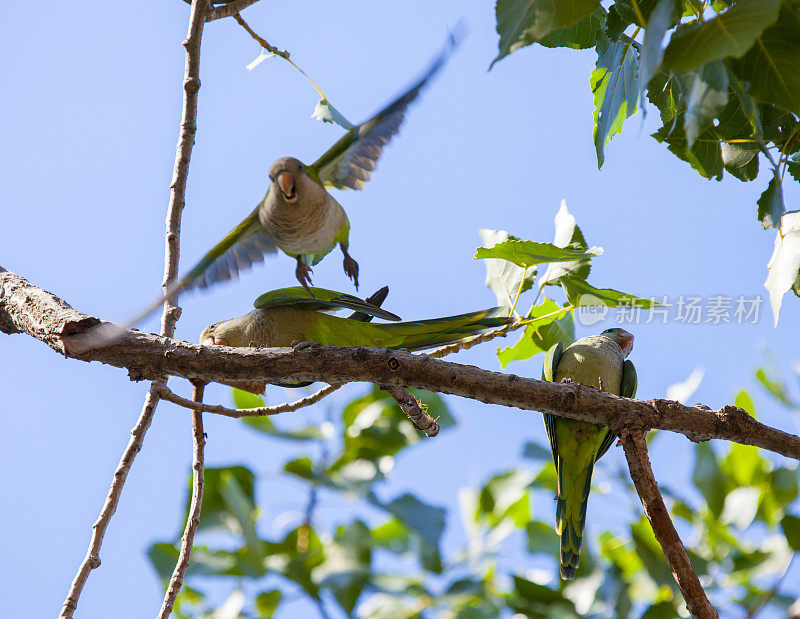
(262,411)
(171,311)
(635,446)
(261,41)
(92,559)
(193,519)
(409,405)
(231,8)
(46,317)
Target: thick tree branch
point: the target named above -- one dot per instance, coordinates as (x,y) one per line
(171,313)
(46,317)
(193,519)
(635,446)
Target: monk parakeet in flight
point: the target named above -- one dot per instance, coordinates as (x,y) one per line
(297,215)
(599,361)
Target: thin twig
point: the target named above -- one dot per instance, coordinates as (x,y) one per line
(169,395)
(171,312)
(635,446)
(231,8)
(410,406)
(261,41)
(193,518)
(92,559)
(449,349)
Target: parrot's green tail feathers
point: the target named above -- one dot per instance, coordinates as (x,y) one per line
(421,334)
(569,525)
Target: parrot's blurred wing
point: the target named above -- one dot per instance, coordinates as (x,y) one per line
(243,246)
(246,244)
(628,390)
(551,360)
(323,299)
(350,162)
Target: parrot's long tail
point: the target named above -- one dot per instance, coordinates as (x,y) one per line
(419,334)
(570,520)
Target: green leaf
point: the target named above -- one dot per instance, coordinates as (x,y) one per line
(731,33)
(650,553)
(614,84)
(784,265)
(664,91)
(267,602)
(661,19)
(770,204)
(325,112)
(245,399)
(793,167)
(506,496)
(709,478)
(738,126)
(791,529)
(744,401)
(745,465)
(346,570)
(542,538)
(771,66)
(583,294)
(748,105)
(775,386)
(540,336)
(583,34)
(522,22)
(215,513)
(427,520)
(567,234)
(740,507)
(530,253)
(534,451)
(241,506)
(504,277)
(706,92)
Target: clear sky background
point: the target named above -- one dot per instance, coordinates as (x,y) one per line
(89,124)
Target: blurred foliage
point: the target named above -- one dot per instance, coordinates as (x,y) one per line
(726,85)
(382,556)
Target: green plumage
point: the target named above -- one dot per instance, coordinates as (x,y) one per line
(577,445)
(292,315)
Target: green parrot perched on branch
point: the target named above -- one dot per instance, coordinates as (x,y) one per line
(298,315)
(598,361)
(297,215)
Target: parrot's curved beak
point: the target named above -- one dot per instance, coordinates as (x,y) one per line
(213,341)
(285,182)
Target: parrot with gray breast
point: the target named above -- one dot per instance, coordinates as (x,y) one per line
(297,215)
(598,361)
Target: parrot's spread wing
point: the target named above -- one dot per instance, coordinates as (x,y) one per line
(243,246)
(300,298)
(350,162)
(551,360)
(628,390)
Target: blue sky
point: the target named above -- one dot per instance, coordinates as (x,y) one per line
(89,125)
